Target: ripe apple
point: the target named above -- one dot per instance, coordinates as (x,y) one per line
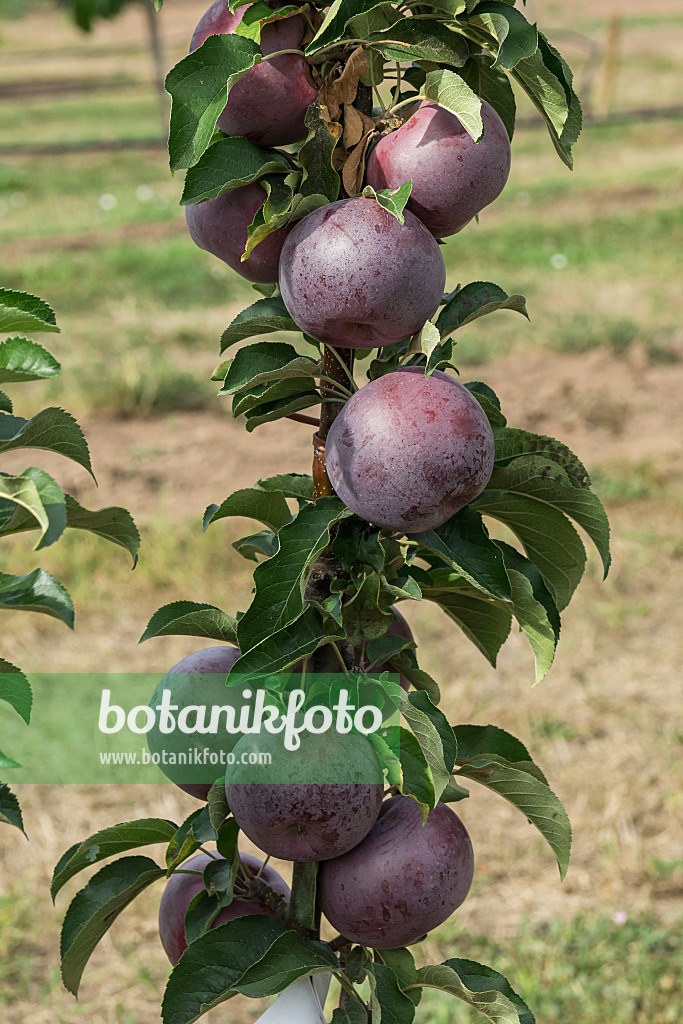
(269,102)
(181,889)
(220,226)
(199,679)
(402,880)
(407,452)
(453,176)
(351,275)
(285,808)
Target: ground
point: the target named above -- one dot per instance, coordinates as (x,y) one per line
(600,366)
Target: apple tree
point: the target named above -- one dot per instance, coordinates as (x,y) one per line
(327,151)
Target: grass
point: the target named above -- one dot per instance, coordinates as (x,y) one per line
(589,970)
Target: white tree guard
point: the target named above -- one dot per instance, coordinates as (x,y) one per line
(301,1003)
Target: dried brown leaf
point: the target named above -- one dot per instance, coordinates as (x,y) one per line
(353,170)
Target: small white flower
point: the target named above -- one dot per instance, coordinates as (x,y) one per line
(108,201)
(143,193)
(558,261)
(620,917)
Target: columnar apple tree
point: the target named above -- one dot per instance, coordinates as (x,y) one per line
(327,152)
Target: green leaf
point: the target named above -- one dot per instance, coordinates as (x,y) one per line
(401,962)
(453,792)
(476,300)
(517,39)
(190,618)
(287,646)
(463,543)
(547,80)
(227,164)
(282,207)
(280,582)
(493,85)
(183,843)
(199,85)
(22,492)
(453,93)
(268,507)
(15,689)
(474,740)
(512,442)
(36,591)
(532,495)
(424,39)
(108,842)
(263,317)
(24,360)
(20,311)
(533,619)
(5,403)
(94,909)
(514,561)
(488,401)
(263,543)
(429,738)
(392,199)
(209,969)
(478,986)
(113,523)
(530,795)
(289,958)
(277,409)
(422,703)
(389,1004)
(416,776)
(483,621)
(10,811)
(362,617)
(315,156)
(53,430)
(357,543)
(292,485)
(266,361)
(354,1013)
(339,13)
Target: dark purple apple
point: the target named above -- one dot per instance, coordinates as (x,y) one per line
(407,452)
(181,889)
(402,880)
(291,808)
(199,679)
(220,227)
(453,176)
(351,275)
(269,102)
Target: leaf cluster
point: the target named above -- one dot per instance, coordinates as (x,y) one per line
(33,500)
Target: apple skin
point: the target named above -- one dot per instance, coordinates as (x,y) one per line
(402,880)
(268,104)
(352,276)
(407,452)
(220,226)
(453,176)
(181,889)
(215,662)
(298,820)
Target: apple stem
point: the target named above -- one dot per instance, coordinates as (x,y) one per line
(302,912)
(299,417)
